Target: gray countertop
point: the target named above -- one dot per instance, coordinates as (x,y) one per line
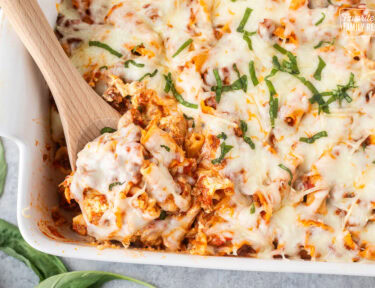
(15,274)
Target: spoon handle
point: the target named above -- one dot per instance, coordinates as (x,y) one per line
(79,106)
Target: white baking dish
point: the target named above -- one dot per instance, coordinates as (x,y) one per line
(24,118)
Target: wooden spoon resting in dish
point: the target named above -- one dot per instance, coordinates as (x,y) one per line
(83,113)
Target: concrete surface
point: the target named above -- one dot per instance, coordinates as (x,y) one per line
(14,274)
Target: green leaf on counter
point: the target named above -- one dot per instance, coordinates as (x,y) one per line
(85,279)
(3,168)
(12,243)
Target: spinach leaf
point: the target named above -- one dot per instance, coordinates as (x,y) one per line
(85,279)
(3,169)
(12,243)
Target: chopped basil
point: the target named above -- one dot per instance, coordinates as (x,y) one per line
(243,22)
(321,20)
(317,96)
(165,147)
(148,74)
(273,102)
(106,47)
(243,80)
(321,43)
(135,48)
(290,66)
(287,170)
(110,187)
(169,86)
(318,71)
(249,142)
(280,49)
(127,62)
(189,118)
(224,150)
(246,36)
(163,215)
(240,83)
(222,135)
(107,130)
(252,208)
(340,93)
(219,86)
(243,127)
(103,67)
(315,137)
(182,47)
(253,75)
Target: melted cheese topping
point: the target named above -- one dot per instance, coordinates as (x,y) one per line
(327,211)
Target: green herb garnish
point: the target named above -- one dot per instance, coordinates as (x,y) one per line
(165,147)
(127,62)
(321,20)
(321,43)
(3,168)
(287,170)
(189,118)
(86,279)
(240,83)
(243,127)
(280,49)
(224,149)
(243,22)
(219,86)
(273,102)
(182,47)
(12,243)
(169,86)
(222,135)
(148,74)
(341,92)
(315,137)
(246,36)
(106,47)
(318,71)
(107,130)
(163,215)
(243,80)
(135,48)
(290,66)
(252,208)
(110,187)
(253,75)
(103,67)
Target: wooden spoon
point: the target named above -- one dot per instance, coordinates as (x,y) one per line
(83,113)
